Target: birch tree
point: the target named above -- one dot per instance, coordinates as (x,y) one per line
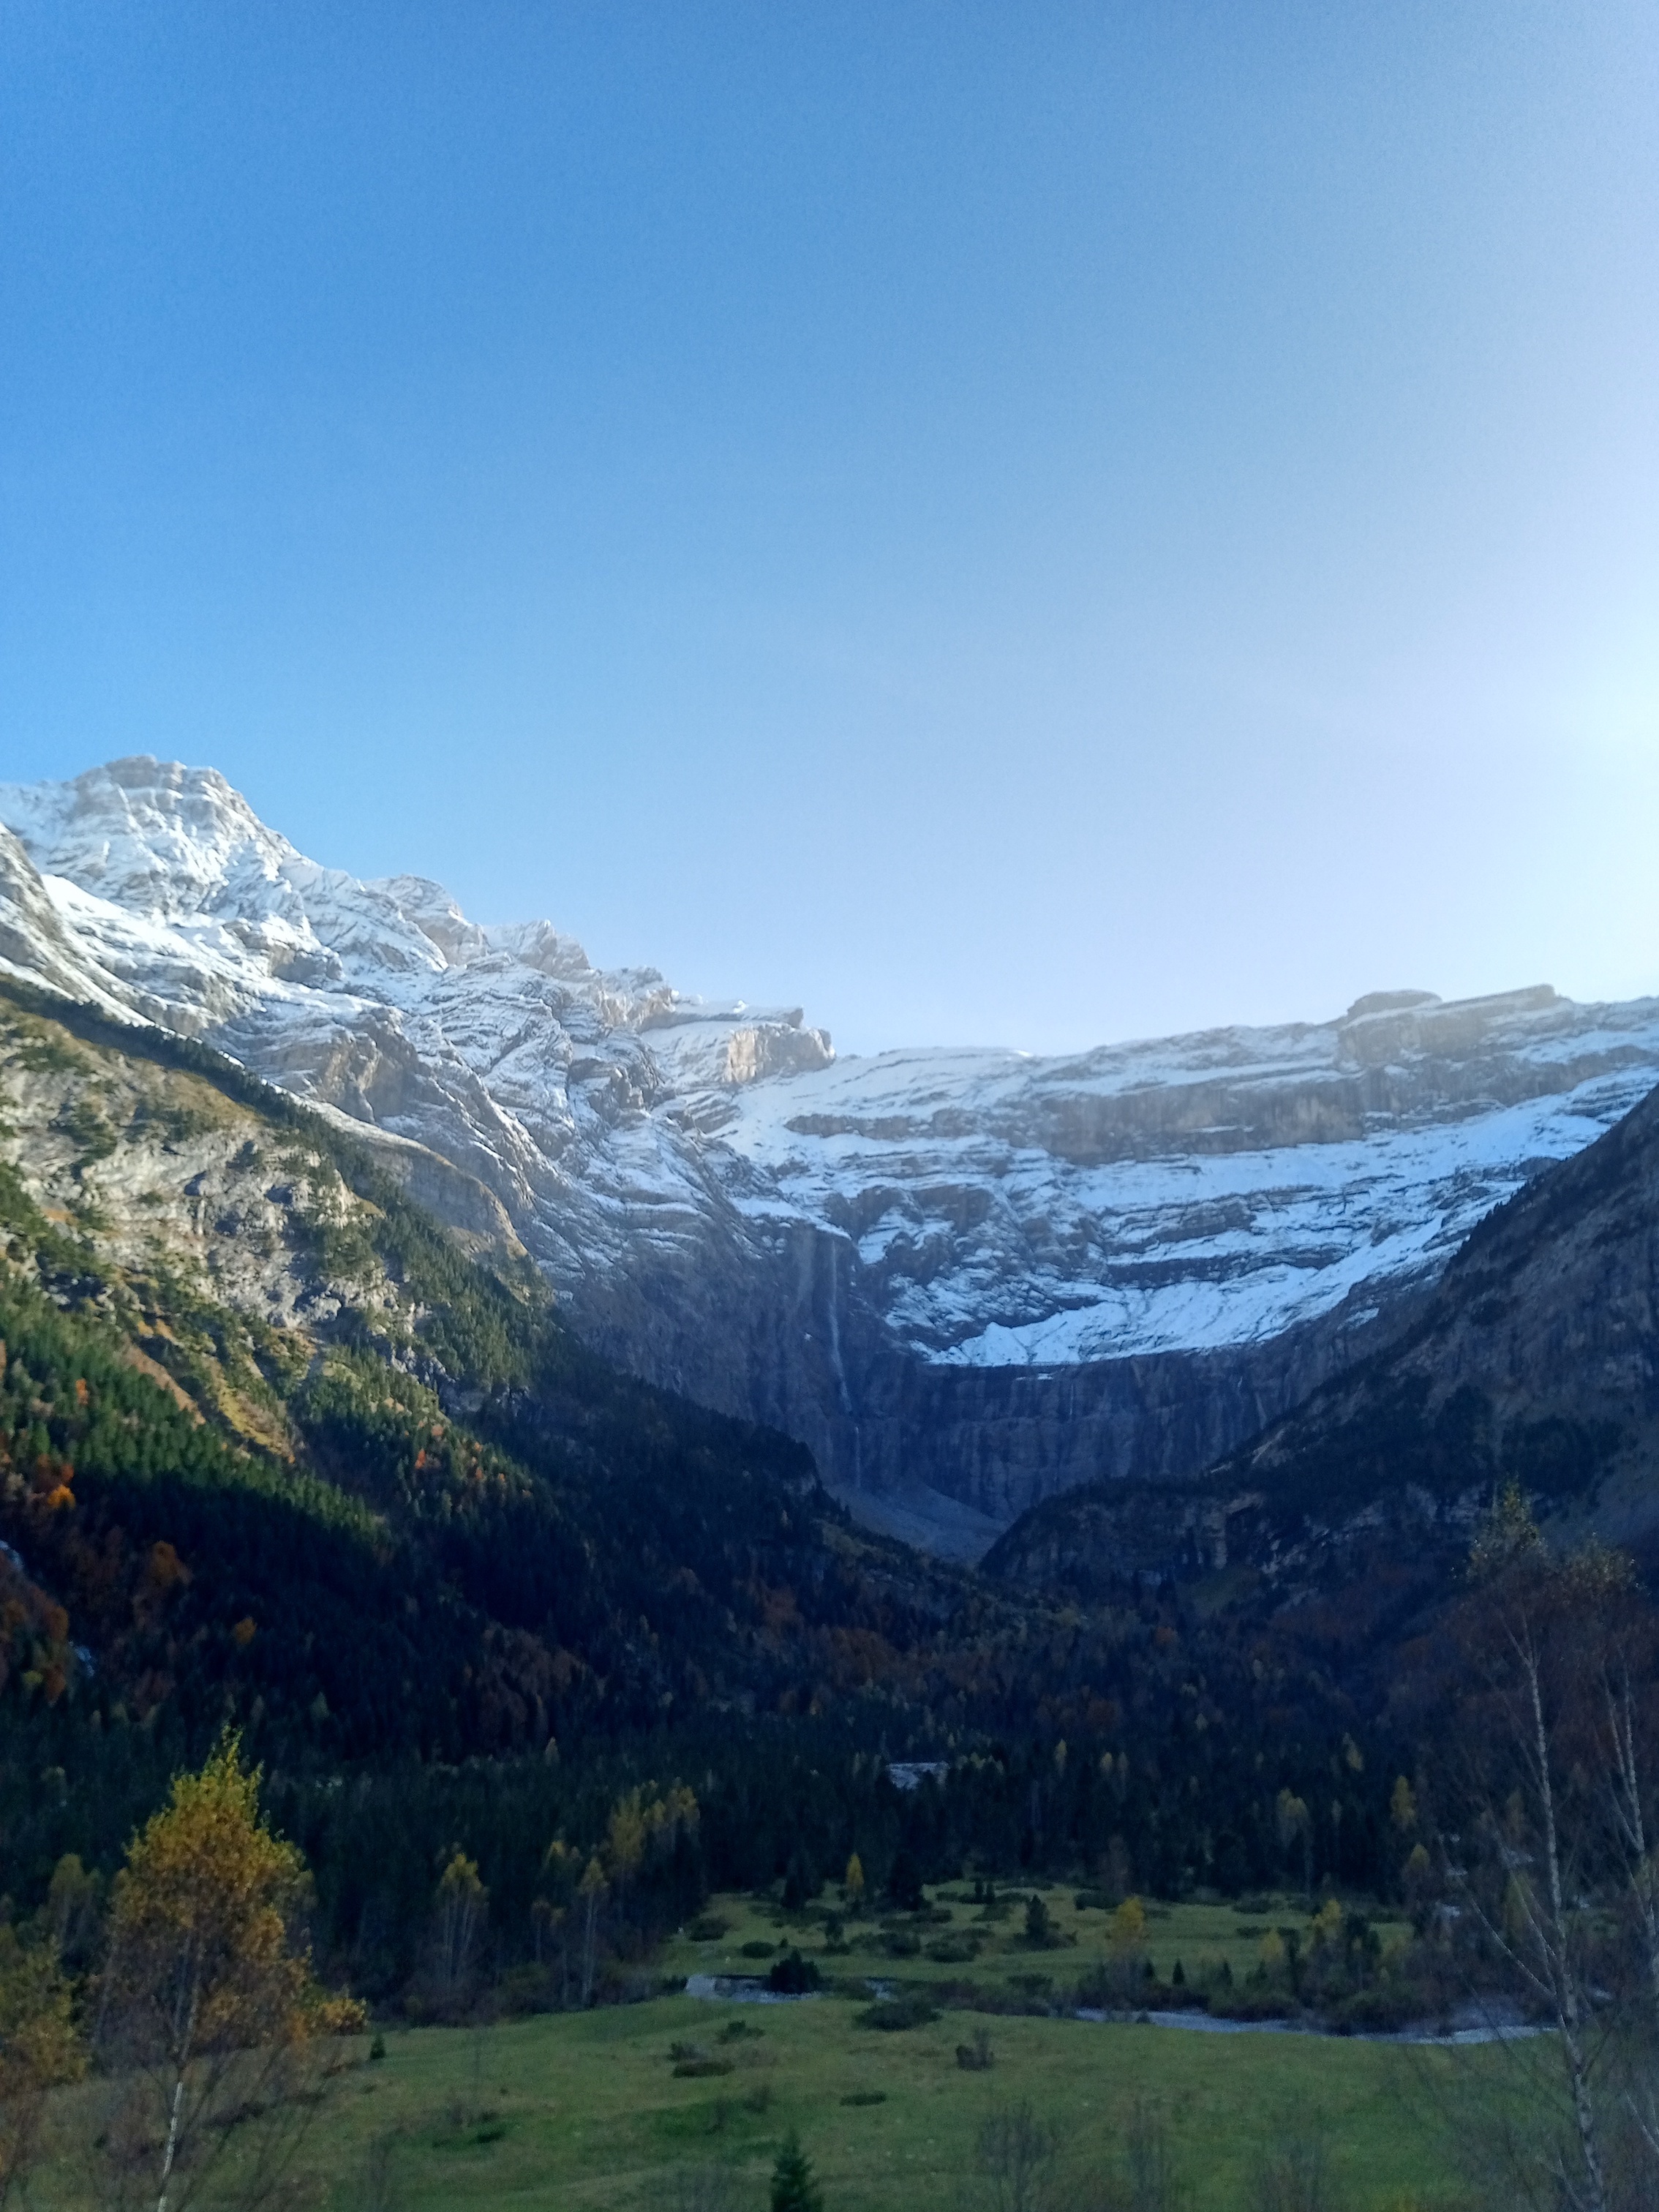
(463,1906)
(1547,1866)
(212,2022)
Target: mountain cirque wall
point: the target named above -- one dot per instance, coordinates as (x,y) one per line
(966,1279)
(1534,1359)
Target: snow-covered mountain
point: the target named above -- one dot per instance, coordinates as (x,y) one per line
(966,1277)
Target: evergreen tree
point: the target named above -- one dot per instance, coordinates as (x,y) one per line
(801,1883)
(904,1882)
(793,2189)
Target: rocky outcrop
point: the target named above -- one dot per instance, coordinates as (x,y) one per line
(966,1279)
(34,941)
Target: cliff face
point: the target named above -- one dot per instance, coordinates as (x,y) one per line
(966,1279)
(1534,1360)
(947,1456)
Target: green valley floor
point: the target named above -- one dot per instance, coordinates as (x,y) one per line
(588,2111)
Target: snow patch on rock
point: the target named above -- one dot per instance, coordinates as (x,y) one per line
(725,1205)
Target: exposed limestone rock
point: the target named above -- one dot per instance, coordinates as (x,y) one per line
(966,1279)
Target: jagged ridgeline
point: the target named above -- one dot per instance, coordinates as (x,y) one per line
(271,1447)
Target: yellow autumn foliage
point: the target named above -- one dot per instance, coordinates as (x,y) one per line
(645,1820)
(1326,1925)
(203,1953)
(1128,1927)
(208,2005)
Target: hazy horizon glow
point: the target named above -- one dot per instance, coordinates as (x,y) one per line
(1023,526)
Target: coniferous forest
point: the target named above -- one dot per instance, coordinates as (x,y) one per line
(528,1659)
(459,1582)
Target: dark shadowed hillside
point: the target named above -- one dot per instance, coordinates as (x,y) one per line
(274,1448)
(1535,1361)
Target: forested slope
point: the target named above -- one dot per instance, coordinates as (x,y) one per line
(282,1451)
(276,1451)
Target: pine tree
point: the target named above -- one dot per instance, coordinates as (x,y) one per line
(904,1882)
(793,2189)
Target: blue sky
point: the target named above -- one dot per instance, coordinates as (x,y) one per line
(1021,524)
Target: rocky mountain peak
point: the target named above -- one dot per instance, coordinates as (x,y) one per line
(966,1277)
(149,833)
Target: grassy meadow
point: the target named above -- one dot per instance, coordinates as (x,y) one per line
(585,2110)
(963,1939)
